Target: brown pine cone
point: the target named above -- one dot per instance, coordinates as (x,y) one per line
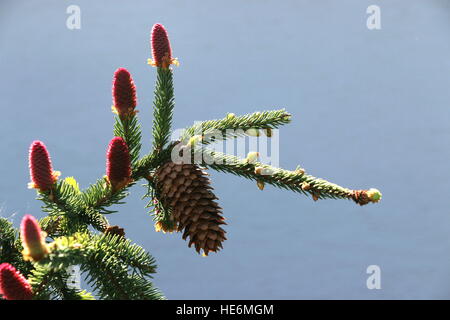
(185,188)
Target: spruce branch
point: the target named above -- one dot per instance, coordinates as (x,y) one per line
(108,274)
(162,215)
(236,126)
(100,196)
(106,260)
(130,130)
(64,201)
(40,282)
(150,162)
(52,225)
(11,247)
(297,181)
(49,284)
(163,108)
(8,236)
(129,254)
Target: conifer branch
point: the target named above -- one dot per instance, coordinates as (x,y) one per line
(236,126)
(100,195)
(11,247)
(151,161)
(163,108)
(297,181)
(53,284)
(106,260)
(130,130)
(162,215)
(63,200)
(129,254)
(40,282)
(111,280)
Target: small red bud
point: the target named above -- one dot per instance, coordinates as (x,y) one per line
(13,285)
(124,93)
(161,50)
(33,239)
(41,172)
(118,163)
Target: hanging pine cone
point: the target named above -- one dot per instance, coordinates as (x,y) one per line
(186,189)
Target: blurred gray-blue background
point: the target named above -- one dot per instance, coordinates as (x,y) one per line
(371,108)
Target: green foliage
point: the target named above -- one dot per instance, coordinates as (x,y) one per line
(281,178)
(108,264)
(100,196)
(50,284)
(147,164)
(130,130)
(160,213)
(113,266)
(236,126)
(11,247)
(163,108)
(66,202)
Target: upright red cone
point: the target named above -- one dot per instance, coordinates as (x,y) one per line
(33,239)
(161,50)
(13,285)
(124,93)
(118,163)
(41,172)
